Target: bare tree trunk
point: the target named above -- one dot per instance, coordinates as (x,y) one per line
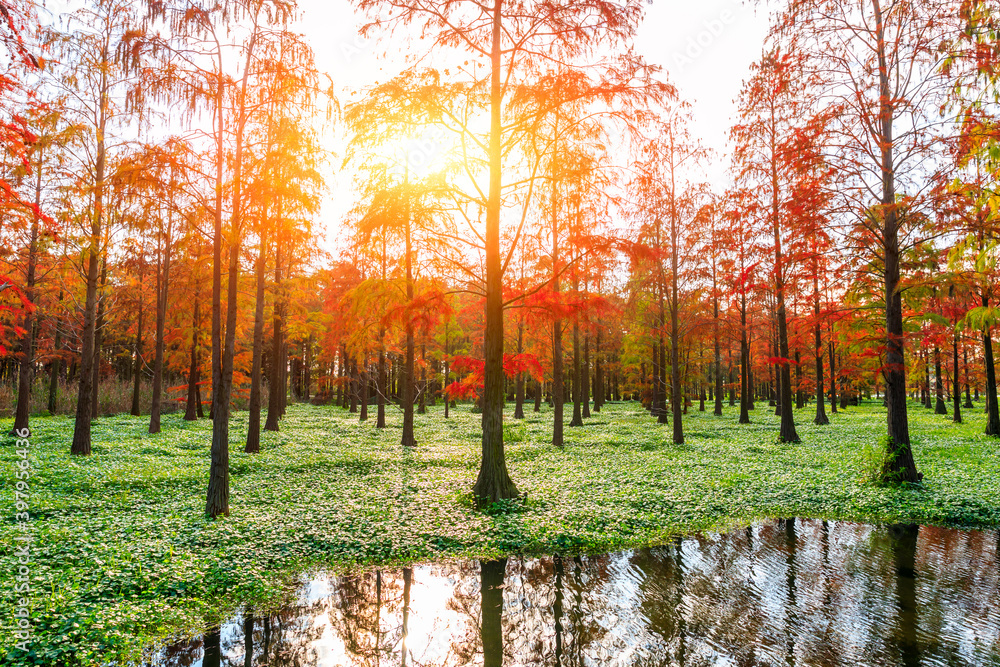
(355,384)
(675,337)
(558,400)
(406,382)
(992,413)
(577,414)
(223,351)
(899,460)
(137,351)
(599,387)
(956,387)
(193,410)
(162,292)
(56,366)
(585,377)
(26,368)
(275,377)
(732,376)
(382,390)
(519,391)
(746,388)
(253,420)
(95,402)
(422,407)
(833,376)
(939,404)
(494,482)
(718,356)
(85,397)
(307,368)
(364,390)
(965,367)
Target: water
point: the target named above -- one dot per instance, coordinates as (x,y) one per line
(791,592)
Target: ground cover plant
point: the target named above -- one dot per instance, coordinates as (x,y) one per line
(124,556)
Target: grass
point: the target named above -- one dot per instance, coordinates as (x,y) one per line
(123,556)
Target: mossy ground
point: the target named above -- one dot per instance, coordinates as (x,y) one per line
(123,555)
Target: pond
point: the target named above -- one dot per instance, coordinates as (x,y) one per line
(785,592)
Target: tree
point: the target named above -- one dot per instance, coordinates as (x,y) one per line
(97,43)
(896,86)
(508,38)
(664,192)
(49,135)
(771,106)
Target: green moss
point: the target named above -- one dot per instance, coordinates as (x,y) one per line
(124,556)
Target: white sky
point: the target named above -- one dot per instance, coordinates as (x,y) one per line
(706,48)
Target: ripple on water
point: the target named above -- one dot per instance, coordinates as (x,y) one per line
(787,592)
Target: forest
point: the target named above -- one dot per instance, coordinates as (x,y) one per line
(503,301)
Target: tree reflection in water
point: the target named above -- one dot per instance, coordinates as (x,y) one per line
(788,592)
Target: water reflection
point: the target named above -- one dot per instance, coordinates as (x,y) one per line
(787,592)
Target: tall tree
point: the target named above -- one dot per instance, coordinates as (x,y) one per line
(507,38)
(896,86)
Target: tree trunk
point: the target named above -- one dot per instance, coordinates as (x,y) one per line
(340,383)
(307,368)
(275,385)
(494,482)
(965,368)
(223,349)
(675,339)
(381,388)
(598,372)
(193,410)
(992,413)
(85,396)
(746,388)
(406,382)
(99,333)
(56,366)
(422,408)
(253,425)
(899,465)
(354,385)
(137,351)
(821,417)
(585,378)
(833,375)
(939,404)
(799,396)
(519,390)
(956,387)
(365,379)
(732,383)
(577,414)
(557,351)
(26,369)
(283,369)
(162,292)
(717,411)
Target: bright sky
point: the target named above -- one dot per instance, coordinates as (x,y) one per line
(706,47)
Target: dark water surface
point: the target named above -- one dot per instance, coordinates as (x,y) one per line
(791,592)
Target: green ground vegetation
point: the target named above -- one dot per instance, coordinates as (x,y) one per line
(124,557)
